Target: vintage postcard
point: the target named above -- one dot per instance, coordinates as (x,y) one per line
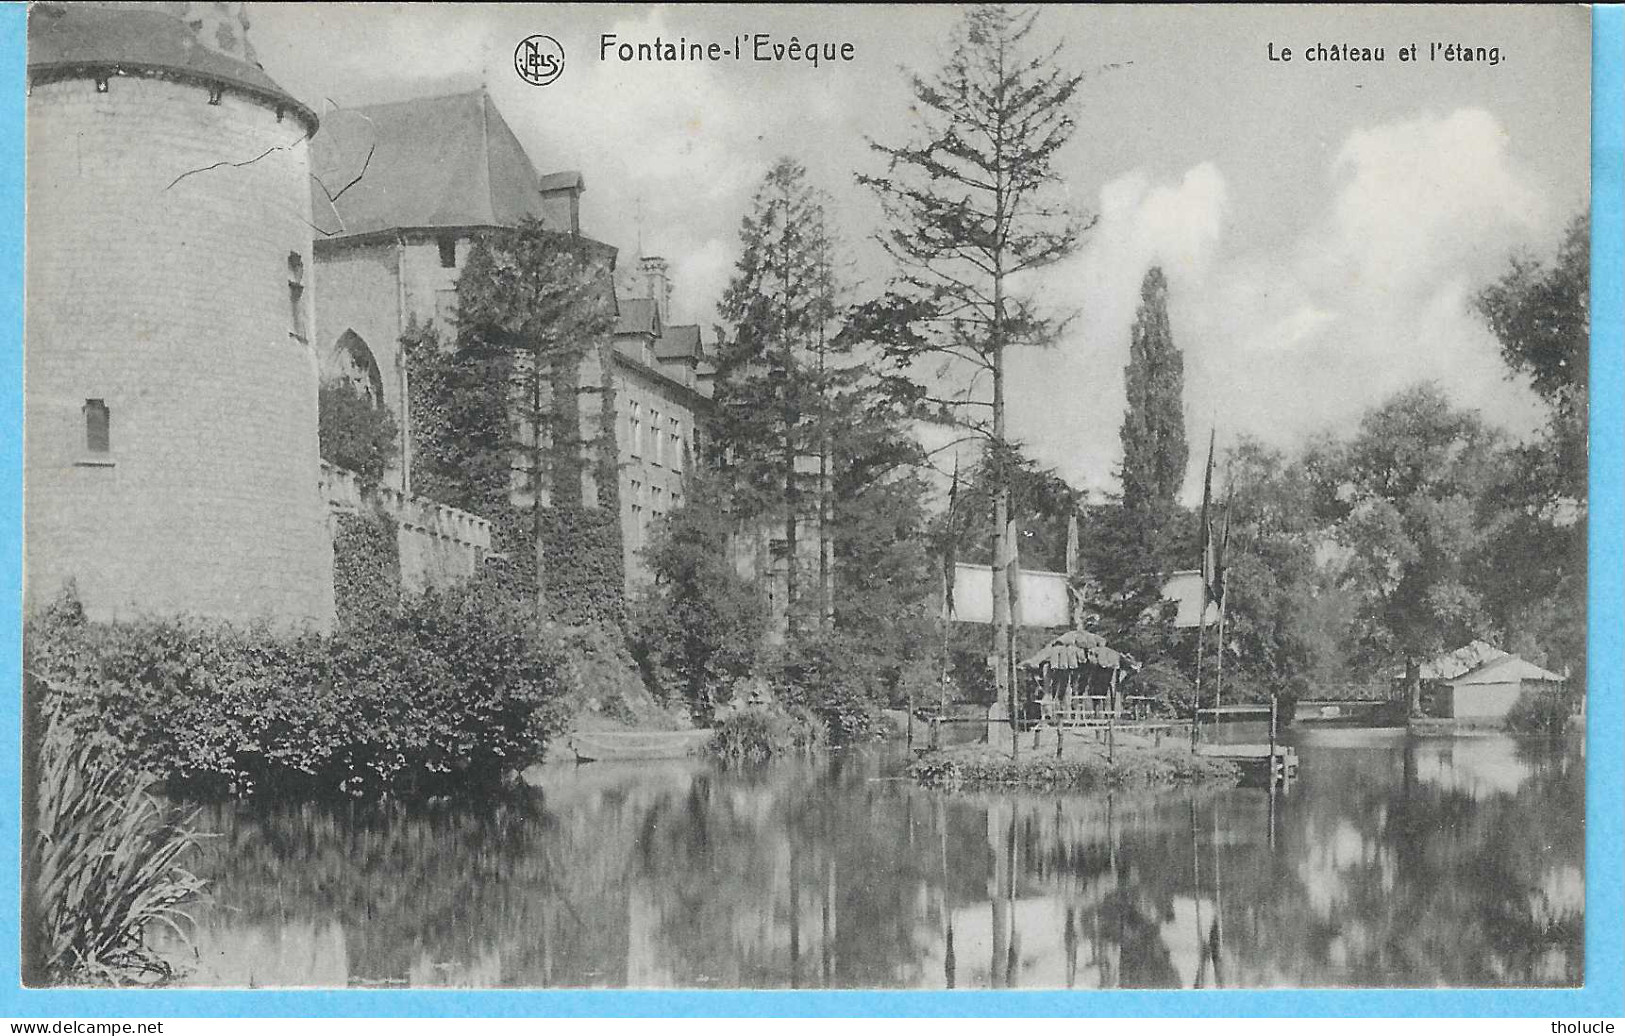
(948,498)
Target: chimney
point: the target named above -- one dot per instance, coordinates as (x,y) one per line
(561,201)
(657,282)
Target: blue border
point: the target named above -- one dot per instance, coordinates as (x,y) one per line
(1605,936)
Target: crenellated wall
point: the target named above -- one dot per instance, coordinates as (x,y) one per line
(438,544)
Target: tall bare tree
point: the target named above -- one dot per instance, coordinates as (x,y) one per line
(970,207)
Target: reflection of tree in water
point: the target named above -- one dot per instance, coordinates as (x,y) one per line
(791,875)
(426,891)
(1386,867)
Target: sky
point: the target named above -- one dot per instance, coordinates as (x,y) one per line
(1323,226)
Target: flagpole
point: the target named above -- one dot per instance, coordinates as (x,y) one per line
(1221,579)
(1201,635)
(1205,577)
(949,556)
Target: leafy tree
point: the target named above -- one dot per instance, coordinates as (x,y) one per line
(1273,585)
(698,625)
(355,433)
(969,210)
(779,369)
(1406,510)
(1533,574)
(1542,316)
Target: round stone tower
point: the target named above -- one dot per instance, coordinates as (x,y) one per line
(171,460)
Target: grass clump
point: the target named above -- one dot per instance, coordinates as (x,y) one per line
(759,732)
(105,868)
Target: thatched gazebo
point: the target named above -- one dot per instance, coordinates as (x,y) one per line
(1075,676)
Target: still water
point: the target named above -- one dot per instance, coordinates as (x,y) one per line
(1421,863)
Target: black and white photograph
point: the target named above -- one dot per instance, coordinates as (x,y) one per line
(796,497)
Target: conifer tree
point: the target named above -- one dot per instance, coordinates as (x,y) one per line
(778,372)
(503,411)
(968,210)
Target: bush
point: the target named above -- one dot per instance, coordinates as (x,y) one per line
(454,690)
(354,432)
(1174,695)
(1540,712)
(104,866)
(760,732)
(826,676)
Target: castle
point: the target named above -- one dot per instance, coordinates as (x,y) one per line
(204,252)
(401,191)
(171,461)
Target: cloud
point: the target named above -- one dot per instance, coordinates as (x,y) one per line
(1306,334)
(1079,386)
(1421,197)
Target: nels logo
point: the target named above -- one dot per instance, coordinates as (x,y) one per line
(539,60)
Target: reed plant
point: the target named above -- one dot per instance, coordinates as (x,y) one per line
(106,867)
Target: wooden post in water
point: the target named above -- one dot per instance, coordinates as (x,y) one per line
(1061,705)
(1274,701)
(1111,717)
(911,717)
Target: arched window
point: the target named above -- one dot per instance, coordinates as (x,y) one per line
(353,361)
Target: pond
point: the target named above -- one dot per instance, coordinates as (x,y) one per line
(1388,862)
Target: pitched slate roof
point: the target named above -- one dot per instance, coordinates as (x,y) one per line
(448,161)
(1506,669)
(638,317)
(67,38)
(680,342)
(1455,663)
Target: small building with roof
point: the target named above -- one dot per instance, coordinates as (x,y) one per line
(1477,682)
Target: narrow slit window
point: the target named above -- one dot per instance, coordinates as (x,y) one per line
(296,298)
(98,427)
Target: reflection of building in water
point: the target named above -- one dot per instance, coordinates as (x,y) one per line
(1477,767)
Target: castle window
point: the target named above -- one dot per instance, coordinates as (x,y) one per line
(634,426)
(98,427)
(448,252)
(655,449)
(676,444)
(297,329)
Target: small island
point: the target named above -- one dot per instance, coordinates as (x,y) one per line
(1134,759)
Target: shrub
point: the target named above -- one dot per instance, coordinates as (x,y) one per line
(104,866)
(826,676)
(454,690)
(1540,712)
(1173,694)
(760,732)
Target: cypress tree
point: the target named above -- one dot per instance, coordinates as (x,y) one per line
(1154,448)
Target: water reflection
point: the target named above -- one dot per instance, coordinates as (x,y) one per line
(1454,863)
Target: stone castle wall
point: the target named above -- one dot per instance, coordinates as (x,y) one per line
(438,544)
(161,221)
